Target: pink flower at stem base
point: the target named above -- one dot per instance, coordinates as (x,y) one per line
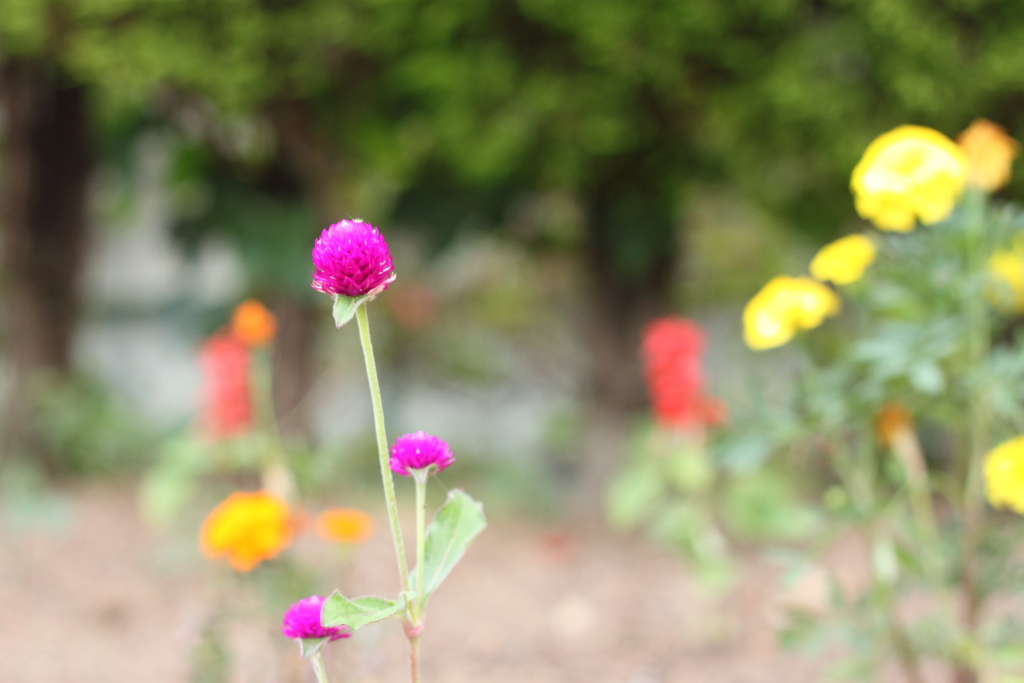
(418,451)
(351,259)
(302,620)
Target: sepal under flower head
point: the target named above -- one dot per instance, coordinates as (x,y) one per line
(419,451)
(302,620)
(351,259)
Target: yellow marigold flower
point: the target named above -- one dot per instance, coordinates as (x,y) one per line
(247,528)
(845,260)
(1006,267)
(345,525)
(990,153)
(1004,475)
(785,306)
(910,173)
(253,324)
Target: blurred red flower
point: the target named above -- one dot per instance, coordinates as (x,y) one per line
(671,353)
(227,400)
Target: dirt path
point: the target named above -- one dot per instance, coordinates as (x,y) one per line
(107,600)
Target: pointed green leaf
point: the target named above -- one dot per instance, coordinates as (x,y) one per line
(340,611)
(310,646)
(457,523)
(345,307)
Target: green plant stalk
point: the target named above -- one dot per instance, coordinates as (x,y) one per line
(317,661)
(905,653)
(414,658)
(382,447)
(421,523)
(973,496)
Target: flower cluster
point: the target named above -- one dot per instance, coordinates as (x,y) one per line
(225,360)
(352,259)
(247,528)
(302,620)
(418,451)
(909,174)
(227,399)
(671,350)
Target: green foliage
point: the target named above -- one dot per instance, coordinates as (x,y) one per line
(455,526)
(354,614)
(85,431)
(682,496)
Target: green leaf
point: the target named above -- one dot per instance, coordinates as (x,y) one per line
(310,646)
(345,308)
(340,611)
(457,523)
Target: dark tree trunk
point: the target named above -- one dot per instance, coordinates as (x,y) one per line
(293,367)
(308,158)
(43,209)
(631,260)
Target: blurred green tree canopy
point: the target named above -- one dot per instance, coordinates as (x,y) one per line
(436,111)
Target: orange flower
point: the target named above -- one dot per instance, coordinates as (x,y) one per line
(892,419)
(252,324)
(246,528)
(346,525)
(990,154)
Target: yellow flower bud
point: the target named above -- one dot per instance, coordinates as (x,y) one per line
(990,154)
(1006,266)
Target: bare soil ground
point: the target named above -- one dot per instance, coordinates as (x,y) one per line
(107,599)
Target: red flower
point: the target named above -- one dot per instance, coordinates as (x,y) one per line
(671,352)
(227,401)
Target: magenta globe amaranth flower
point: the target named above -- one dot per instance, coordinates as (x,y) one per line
(352,259)
(302,620)
(419,451)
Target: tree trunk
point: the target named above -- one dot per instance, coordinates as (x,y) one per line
(308,158)
(622,298)
(43,209)
(293,368)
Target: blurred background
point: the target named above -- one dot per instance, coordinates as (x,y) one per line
(550,174)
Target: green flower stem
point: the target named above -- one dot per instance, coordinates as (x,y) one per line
(421,516)
(976,314)
(414,659)
(382,446)
(317,661)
